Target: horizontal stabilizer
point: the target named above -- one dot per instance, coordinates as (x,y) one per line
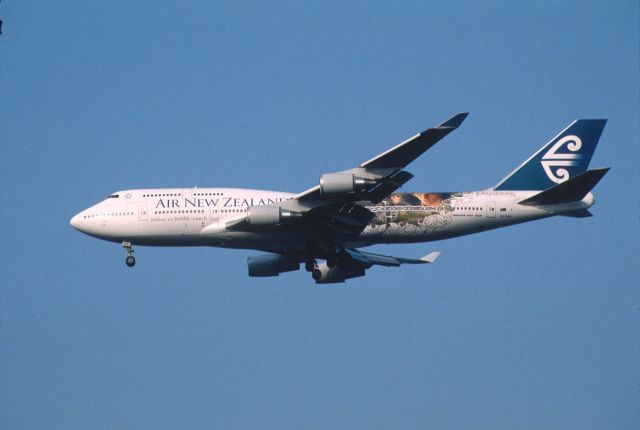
(582,213)
(571,190)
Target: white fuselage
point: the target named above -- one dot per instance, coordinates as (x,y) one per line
(178,217)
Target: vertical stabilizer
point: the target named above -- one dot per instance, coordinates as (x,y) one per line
(563,157)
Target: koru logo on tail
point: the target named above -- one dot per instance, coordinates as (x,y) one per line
(554,162)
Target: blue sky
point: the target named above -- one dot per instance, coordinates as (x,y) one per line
(528,327)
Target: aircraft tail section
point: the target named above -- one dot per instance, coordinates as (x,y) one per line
(571,190)
(580,213)
(563,157)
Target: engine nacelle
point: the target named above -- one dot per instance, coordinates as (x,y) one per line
(340,183)
(270,265)
(268,215)
(327,275)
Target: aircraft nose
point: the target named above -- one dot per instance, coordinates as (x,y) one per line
(75,221)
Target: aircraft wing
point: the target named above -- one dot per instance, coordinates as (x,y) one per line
(353,263)
(325,221)
(349,263)
(387,260)
(332,206)
(331,209)
(384,171)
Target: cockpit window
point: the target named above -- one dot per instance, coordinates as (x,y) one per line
(113,196)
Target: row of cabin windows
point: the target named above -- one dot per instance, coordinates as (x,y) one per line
(468,208)
(175,195)
(109,214)
(190,211)
(197,211)
(184,211)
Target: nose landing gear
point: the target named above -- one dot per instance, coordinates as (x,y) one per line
(130,260)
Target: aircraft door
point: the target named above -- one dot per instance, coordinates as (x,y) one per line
(491,209)
(143,215)
(214,216)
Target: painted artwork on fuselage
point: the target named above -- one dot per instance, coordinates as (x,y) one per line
(411,214)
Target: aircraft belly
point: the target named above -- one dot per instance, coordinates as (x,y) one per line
(274,240)
(429,229)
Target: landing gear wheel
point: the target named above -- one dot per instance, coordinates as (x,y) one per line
(332,260)
(310,264)
(316,274)
(130,260)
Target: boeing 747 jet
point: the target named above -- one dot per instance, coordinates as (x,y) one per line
(352,209)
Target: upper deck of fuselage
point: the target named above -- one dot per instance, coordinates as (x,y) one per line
(178,197)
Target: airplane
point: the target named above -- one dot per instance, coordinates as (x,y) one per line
(351,209)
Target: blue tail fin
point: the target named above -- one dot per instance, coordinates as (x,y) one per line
(565,156)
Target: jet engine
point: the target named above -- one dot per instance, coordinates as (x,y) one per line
(340,183)
(270,265)
(268,215)
(327,275)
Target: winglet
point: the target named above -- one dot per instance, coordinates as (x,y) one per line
(430,258)
(454,121)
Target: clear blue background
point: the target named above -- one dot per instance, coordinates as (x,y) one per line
(528,327)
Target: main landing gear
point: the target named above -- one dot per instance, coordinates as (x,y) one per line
(332,259)
(334,255)
(130,260)
(311,265)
